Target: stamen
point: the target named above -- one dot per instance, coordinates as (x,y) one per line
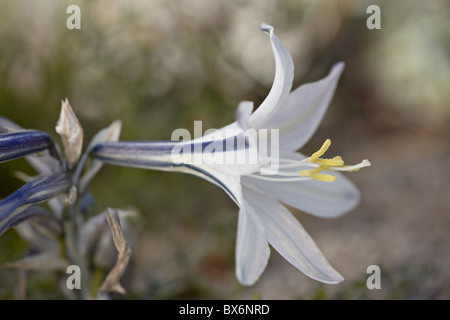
(316,162)
(305,173)
(334,164)
(321,151)
(323,177)
(314,174)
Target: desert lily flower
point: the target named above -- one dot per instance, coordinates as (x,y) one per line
(311,184)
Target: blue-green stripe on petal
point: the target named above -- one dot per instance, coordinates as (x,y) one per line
(37,191)
(21,143)
(232,143)
(31,213)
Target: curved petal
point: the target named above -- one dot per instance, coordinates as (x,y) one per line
(304,109)
(252,248)
(229,183)
(282,83)
(290,239)
(322,199)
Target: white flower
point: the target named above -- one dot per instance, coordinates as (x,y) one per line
(299,181)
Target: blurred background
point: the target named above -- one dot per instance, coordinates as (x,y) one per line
(159,65)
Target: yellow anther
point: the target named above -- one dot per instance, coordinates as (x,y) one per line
(305,173)
(315,158)
(322,150)
(323,177)
(314,174)
(310,173)
(319,169)
(335,162)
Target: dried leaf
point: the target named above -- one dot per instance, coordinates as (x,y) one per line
(95,235)
(111,282)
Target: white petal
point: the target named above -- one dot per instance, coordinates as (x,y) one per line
(229,183)
(322,199)
(304,109)
(290,239)
(282,84)
(252,248)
